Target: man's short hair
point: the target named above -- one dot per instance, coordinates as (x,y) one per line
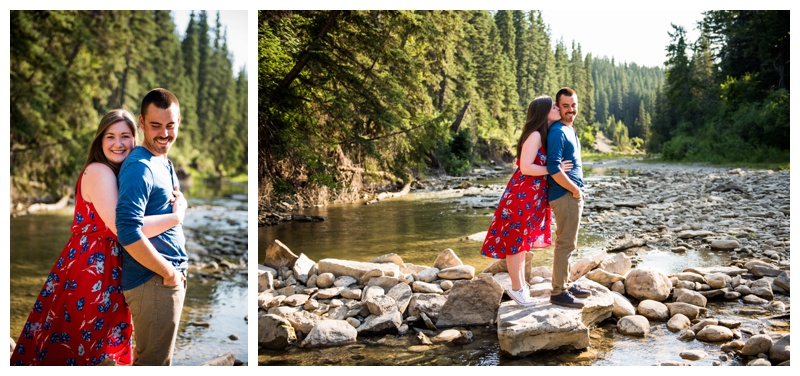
(162,98)
(564,91)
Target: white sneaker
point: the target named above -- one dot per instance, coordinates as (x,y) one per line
(522,297)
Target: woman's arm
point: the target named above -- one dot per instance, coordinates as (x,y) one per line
(528,155)
(99,187)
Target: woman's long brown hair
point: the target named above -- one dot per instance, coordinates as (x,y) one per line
(96,149)
(536,120)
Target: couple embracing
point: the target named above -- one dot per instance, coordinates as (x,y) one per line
(549,175)
(124,266)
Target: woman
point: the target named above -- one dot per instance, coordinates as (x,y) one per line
(522,218)
(80,316)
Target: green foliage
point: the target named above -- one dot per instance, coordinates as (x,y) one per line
(456,153)
(730,102)
(586,135)
(68,68)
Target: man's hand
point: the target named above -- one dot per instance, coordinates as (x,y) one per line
(174,279)
(577,194)
(178,203)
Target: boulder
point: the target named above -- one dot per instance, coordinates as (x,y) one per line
(447,259)
(473,302)
(757,344)
(275,332)
(618,263)
(355,269)
(604,277)
(648,283)
(622,306)
(634,325)
(302,267)
(714,333)
(653,310)
(279,256)
(457,272)
(779,351)
(678,322)
(330,333)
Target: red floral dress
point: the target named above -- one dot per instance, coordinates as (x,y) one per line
(80,316)
(522,218)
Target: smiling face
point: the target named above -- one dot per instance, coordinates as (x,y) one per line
(568,108)
(118,141)
(160,128)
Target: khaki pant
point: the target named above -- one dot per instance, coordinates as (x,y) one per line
(156,311)
(567,212)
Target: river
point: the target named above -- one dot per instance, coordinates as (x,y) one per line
(213,321)
(421,224)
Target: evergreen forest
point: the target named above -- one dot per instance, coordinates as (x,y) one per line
(68,68)
(353,100)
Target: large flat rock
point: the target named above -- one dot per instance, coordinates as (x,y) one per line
(355,269)
(526,330)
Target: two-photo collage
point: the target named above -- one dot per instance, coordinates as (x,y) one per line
(333,187)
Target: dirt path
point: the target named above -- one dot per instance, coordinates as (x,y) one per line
(602,144)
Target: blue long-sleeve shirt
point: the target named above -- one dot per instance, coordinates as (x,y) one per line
(145,188)
(562,144)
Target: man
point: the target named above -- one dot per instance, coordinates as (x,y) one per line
(565,194)
(154,270)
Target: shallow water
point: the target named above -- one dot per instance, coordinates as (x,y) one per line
(37,239)
(421,224)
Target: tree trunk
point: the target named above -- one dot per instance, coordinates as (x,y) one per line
(457,124)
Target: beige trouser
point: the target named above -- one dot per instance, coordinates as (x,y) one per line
(156,312)
(567,211)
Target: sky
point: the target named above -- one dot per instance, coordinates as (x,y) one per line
(632,36)
(236,23)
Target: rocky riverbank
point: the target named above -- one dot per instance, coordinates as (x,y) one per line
(660,208)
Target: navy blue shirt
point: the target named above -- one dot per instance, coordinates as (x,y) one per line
(562,144)
(145,188)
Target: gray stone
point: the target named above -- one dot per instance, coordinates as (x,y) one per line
(325,280)
(278,256)
(715,333)
(757,344)
(354,269)
(729,270)
(329,292)
(759,362)
(584,265)
(430,304)
(783,281)
(385,282)
(779,351)
(330,333)
(275,332)
(447,259)
(222,360)
(688,296)
(618,263)
(622,306)
(762,288)
(653,310)
(762,269)
(428,275)
(295,300)
(634,325)
(424,287)
(381,305)
(725,244)
(473,302)
(302,321)
(648,283)
(718,280)
(401,293)
(604,277)
(689,310)
(457,272)
(371,292)
(345,281)
(693,354)
(678,322)
(302,267)
(390,258)
(389,322)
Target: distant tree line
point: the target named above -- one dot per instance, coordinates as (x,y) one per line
(726,96)
(68,68)
(392,93)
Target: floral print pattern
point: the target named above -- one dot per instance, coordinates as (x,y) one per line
(80,316)
(522,218)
